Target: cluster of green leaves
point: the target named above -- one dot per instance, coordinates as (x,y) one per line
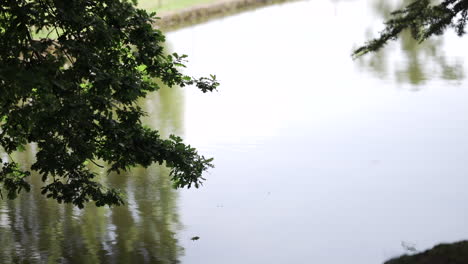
(423,19)
(71,72)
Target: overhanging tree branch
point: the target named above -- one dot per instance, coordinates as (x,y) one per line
(104,53)
(423,19)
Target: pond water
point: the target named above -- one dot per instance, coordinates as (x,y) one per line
(319,158)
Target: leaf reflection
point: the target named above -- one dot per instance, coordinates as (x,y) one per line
(34,229)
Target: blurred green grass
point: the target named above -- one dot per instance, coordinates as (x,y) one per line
(170,5)
(157,6)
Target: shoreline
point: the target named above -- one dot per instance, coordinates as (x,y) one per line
(173,20)
(445,253)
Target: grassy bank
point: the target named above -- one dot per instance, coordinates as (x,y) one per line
(161,6)
(176,14)
(189,12)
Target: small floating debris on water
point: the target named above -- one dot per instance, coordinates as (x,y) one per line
(195,238)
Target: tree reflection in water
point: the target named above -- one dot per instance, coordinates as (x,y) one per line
(34,229)
(419,62)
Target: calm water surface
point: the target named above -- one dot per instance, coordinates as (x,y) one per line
(319,158)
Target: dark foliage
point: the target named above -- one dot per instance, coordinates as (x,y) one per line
(423,19)
(71,72)
(456,253)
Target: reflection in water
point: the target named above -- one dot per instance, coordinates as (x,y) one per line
(420,61)
(34,229)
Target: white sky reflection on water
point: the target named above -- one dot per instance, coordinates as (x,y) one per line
(319,158)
